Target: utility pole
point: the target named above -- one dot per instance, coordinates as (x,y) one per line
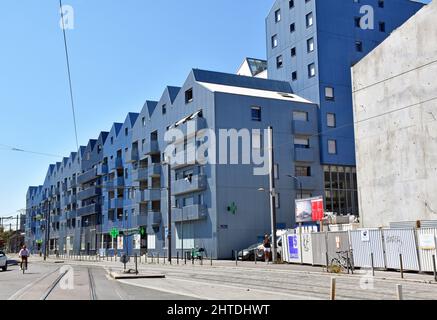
(168,209)
(272,192)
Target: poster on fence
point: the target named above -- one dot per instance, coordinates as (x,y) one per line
(120,242)
(293,248)
(309,210)
(137,241)
(427,241)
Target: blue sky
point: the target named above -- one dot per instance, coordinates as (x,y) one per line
(122,53)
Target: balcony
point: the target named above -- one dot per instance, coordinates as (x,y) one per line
(189,213)
(88,176)
(89,193)
(152,147)
(72,184)
(56,205)
(118,164)
(190,127)
(116,203)
(102,169)
(183,186)
(64,187)
(55,219)
(119,182)
(72,198)
(304,155)
(71,214)
(154,218)
(148,195)
(153,170)
(139,220)
(308,183)
(134,155)
(304,127)
(89,210)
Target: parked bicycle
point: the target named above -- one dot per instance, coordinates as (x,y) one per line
(341,263)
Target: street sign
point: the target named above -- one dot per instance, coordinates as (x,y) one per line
(114,233)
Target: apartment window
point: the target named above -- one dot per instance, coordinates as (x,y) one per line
(164,109)
(292,27)
(381,3)
(300,116)
(277,200)
(310,45)
(382,26)
(126,131)
(329,93)
(332,146)
(256,114)
(189,95)
(291,4)
(275,41)
(143,120)
(278,15)
(359,46)
(311,70)
(302,171)
(279,62)
(293,51)
(301,143)
(331,120)
(309,19)
(294,75)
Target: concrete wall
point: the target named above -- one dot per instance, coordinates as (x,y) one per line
(395,107)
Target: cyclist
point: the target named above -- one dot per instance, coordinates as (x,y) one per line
(24,255)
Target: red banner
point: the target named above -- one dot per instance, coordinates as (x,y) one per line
(317,209)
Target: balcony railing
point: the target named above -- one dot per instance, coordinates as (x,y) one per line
(154,218)
(72,184)
(89,193)
(71,214)
(148,195)
(87,176)
(153,170)
(304,127)
(116,203)
(191,127)
(304,155)
(134,155)
(102,169)
(182,186)
(190,213)
(139,220)
(152,147)
(119,182)
(89,210)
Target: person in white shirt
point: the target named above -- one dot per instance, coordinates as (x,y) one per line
(24,255)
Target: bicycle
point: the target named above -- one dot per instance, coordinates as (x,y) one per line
(341,263)
(24,265)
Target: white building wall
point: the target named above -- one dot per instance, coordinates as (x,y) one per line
(395,111)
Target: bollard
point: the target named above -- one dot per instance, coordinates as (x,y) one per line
(373,264)
(211,260)
(327,262)
(399,292)
(333,287)
(152,258)
(185,258)
(136,264)
(434,266)
(347,262)
(177,257)
(158,258)
(236,258)
(201,260)
(401,265)
(254,254)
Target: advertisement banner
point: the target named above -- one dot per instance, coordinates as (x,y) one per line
(427,242)
(120,242)
(293,247)
(309,210)
(137,241)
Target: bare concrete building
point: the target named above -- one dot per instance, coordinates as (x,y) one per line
(395,115)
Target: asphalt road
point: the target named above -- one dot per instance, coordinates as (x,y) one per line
(52,281)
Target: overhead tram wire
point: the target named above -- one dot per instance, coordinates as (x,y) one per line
(15,149)
(69,74)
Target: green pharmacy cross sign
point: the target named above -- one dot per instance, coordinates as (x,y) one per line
(232,208)
(114,233)
(142,231)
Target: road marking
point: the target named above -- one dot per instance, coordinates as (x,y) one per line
(22,291)
(163,290)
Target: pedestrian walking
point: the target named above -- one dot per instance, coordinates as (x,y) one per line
(267,248)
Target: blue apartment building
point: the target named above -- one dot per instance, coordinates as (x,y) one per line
(119,180)
(312,44)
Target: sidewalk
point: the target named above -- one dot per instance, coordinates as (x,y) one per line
(109,262)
